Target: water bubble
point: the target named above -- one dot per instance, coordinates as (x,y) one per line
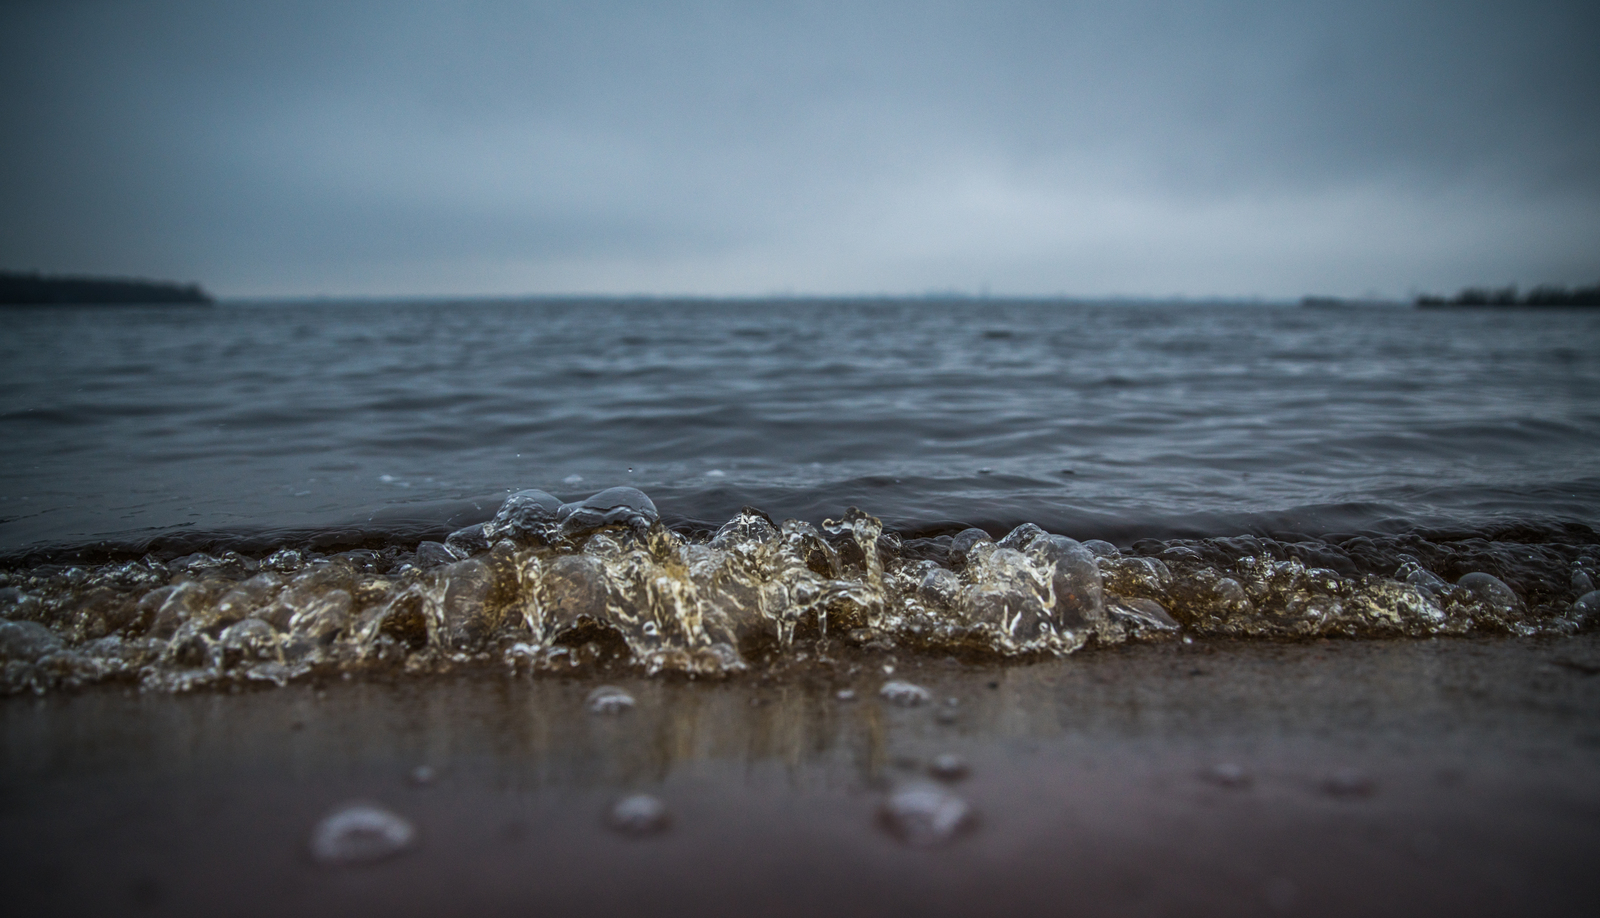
(251,640)
(1141,614)
(966,540)
(434,554)
(948,767)
(905,694)
(621,506)
(608,699)
(925,815)
(360,833)
(1491,590)
(1101,548)
(639,814)
(1227,774)
(285,560)
(1422,579)
(26,641)
(469,540)
(1587,609)
(525,516)
(1581,582)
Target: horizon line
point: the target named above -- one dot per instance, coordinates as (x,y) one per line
(928,296)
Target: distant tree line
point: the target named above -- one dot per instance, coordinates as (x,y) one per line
(1508,296)
(19,288)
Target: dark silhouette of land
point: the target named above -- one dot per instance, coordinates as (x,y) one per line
(1508,296)
(19,288)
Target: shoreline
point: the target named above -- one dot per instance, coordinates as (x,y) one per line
(1386,777)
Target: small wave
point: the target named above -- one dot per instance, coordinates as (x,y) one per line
(552,586)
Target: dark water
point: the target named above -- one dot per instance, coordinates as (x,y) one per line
(1118,421)
(1370,438)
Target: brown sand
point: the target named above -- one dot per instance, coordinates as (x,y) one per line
(1457,777)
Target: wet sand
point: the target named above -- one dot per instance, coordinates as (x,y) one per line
(1453,777)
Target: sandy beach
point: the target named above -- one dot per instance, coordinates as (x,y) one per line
(1335,777)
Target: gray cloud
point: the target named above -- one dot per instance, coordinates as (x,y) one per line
(1143,148)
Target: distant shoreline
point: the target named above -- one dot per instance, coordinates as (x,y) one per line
(33,289)
(1539,297)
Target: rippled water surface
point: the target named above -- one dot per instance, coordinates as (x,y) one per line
(1363,451)
(1117,420)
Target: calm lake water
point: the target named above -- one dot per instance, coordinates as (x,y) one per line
(1115,421)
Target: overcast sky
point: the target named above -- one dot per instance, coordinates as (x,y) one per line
(1135,148)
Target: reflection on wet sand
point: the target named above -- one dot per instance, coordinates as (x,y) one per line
(1189,778)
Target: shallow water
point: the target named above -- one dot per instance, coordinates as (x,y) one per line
(254,491)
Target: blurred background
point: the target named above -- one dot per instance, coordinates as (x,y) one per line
(1145,148)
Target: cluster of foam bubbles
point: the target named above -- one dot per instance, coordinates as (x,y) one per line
(552,586)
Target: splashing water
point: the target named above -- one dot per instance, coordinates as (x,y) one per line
(547,586)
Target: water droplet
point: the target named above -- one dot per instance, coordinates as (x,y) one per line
(360,833)
(572,479)
(1227,774)
(845,694)
(640,814)
(905,694)
(608,699)
(716,473)
(925,815)
(422,776)
(948,767)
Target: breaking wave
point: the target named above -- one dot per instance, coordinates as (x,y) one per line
(547,586)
